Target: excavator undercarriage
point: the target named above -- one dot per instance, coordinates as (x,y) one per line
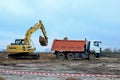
(23,56)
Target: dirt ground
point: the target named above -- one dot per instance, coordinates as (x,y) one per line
(49,63)
(1,78)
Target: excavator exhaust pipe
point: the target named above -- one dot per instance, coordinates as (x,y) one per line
(43,41)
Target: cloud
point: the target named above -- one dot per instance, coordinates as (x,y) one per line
(15,7)
(93,19)
(9,34)
(7,37)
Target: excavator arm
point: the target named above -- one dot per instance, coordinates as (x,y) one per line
(43,40)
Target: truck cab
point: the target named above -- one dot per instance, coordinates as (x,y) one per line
(94,47)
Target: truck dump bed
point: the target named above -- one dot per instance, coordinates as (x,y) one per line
(68,45)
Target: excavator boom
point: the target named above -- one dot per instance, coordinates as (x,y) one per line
(43,40)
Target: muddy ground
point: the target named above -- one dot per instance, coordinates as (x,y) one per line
(49,63)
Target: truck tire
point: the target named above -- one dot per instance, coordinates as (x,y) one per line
(91,57)
(60,56)
(70,56)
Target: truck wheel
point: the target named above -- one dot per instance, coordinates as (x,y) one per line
(60,56)
(70,56)
(91,57)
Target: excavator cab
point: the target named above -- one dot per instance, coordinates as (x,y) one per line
(18,42)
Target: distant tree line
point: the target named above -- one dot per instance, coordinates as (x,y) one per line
(108,52)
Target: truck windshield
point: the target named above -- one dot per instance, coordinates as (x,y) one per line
(96,43)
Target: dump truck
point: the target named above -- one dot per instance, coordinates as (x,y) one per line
(76,49)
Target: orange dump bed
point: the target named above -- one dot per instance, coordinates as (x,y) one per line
(68,45)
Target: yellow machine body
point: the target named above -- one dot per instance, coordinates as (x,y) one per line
(24,45)
(20,49)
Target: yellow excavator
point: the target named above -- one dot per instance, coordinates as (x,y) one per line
(23,48)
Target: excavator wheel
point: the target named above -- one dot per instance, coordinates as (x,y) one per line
(43,41)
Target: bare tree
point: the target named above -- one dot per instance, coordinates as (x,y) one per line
(118,51)
(107,50)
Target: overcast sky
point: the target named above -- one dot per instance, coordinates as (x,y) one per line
(76,19)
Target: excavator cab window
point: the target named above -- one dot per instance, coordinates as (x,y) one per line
(19,41)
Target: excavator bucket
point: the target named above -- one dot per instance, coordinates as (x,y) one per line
(43,41)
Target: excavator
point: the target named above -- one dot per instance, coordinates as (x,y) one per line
(24,48)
